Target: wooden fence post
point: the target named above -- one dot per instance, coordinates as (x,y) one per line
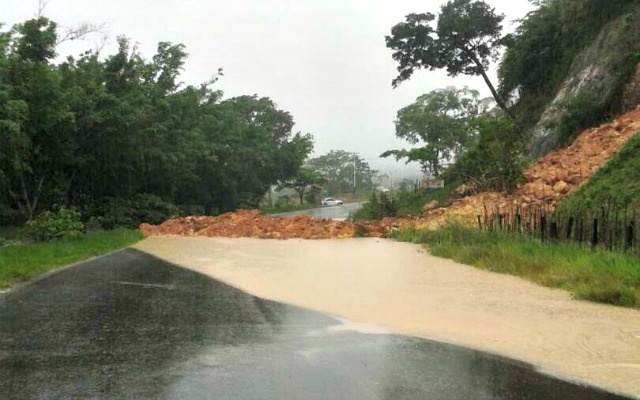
(628,237)
(569,228)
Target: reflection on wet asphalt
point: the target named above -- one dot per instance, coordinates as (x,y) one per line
(131,326)
(332,212)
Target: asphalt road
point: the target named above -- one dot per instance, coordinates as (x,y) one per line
(128,325)
(331,212)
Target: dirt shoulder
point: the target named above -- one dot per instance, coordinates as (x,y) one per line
(400,287)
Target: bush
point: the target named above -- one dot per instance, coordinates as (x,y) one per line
(579,112)
(376,208)
(495,161)
(54,225)
(123,213)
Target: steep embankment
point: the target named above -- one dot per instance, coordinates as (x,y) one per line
(551,178)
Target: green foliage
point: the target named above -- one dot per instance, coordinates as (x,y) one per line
(9,216)
(378,207)
(337,168)
(601,276)
(401,204)
(615,185)
(539,55)
(494,162)
(359,231)
(439,121)
(411,203)
(21,262)
(55,225)
(306,181)
(92,129)
(466,39)
(579,112)
(130,213)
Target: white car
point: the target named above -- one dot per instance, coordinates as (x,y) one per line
(329,201)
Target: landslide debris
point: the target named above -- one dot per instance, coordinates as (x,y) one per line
(547,182)
(552,178)
(249,223)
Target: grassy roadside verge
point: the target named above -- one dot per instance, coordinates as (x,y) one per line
(599,276)
(22,262)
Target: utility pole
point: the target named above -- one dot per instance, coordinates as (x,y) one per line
(354,173)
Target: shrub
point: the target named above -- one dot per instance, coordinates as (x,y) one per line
(54,225)
(579,112)
(495,161)
(130,213)
(376,208)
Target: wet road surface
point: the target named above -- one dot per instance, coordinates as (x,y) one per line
(332,212)
(128,325)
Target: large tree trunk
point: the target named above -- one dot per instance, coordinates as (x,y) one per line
(493,90)
(301,194)
(27,203)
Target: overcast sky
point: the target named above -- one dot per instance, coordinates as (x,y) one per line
(324,61)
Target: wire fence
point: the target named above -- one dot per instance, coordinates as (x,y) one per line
(606,227)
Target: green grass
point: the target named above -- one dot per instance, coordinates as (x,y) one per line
(598,275)
(22,262)
(615,185)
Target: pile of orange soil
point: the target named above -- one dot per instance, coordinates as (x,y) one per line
(551,178)
(249,223)
(547,182)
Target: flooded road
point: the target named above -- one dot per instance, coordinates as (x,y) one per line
(129,325)
(402,288)
(331,212)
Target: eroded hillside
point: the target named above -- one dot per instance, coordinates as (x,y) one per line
(547,182)
(553,177)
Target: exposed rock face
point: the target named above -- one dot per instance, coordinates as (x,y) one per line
(631,92)
(594,72)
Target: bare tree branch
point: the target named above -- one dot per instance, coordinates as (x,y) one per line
(99,45)
(80,32)
(42,4)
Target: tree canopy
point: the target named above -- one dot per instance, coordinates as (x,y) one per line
(439,121)
(337,168)
(466,38)
(305,180)
(90,132)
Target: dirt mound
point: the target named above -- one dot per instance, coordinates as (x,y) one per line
(249,223)
(548,181)
(551,178)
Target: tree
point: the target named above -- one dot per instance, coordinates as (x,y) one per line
(120,134)
(304,180)
(494,161)
(466,39)
(337,167)
(439,120)
(37,135)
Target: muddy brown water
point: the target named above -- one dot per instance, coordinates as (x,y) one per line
(400,288)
